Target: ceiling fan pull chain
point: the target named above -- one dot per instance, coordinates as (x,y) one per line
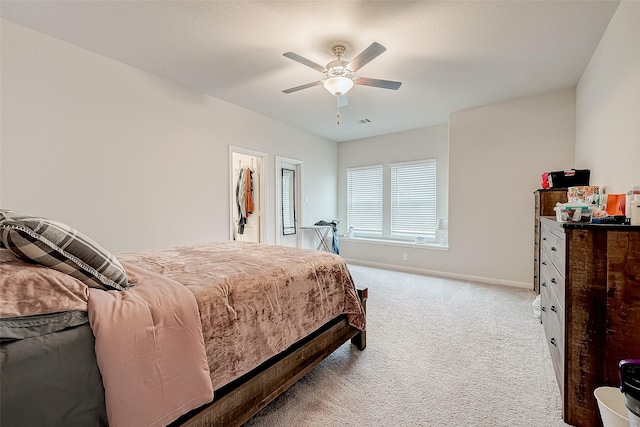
(338,114)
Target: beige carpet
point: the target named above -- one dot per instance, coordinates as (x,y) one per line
(439,352)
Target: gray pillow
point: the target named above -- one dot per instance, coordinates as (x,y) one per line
(62,248)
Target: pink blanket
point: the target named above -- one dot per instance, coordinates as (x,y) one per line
(256,300)
(150,350)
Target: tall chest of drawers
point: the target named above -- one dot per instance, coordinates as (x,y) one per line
(590,294)
(545,201)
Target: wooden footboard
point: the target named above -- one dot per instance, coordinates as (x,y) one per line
(238,401)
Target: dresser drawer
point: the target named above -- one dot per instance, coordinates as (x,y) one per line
(551,278)
(555,318)
(553,244)
(556,350)
(552,316)
(545,300)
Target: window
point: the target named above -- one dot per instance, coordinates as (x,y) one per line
(413,198)
(400,210)
(364,199)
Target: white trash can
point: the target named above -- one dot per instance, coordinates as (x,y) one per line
(611,406)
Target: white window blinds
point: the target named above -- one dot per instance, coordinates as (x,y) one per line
(364,199)
(413,197)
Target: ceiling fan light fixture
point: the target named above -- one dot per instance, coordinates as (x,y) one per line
(338,85)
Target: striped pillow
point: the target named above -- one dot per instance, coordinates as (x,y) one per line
(62,248)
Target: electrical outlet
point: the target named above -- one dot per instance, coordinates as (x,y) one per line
(405,257)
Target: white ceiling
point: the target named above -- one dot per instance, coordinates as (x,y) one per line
(450,55)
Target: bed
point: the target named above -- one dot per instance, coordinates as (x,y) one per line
(264,316)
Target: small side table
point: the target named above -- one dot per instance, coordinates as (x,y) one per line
(322,231)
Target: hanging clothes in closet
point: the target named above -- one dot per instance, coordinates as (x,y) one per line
(244,197)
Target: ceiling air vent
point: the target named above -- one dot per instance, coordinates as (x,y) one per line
(363,121)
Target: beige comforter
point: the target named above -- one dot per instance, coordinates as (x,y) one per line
(256,300)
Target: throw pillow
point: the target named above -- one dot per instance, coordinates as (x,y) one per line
(63,248)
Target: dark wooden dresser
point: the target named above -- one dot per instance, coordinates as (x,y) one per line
(590,292)
(545,201)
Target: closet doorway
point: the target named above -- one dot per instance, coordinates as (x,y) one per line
(288,206)
(247,195)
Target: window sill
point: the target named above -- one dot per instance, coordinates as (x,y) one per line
(403,243)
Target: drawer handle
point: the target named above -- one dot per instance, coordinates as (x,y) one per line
(553,341)
(544,262)
(544,309)
(553,308)
(543,284)
(544,238)
(553,280)
(553,248)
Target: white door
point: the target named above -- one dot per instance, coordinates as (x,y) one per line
(288,214)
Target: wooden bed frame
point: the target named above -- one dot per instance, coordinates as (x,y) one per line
(238,401)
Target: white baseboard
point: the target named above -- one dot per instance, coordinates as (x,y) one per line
(448,275)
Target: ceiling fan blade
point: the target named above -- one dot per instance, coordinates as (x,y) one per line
(343,101)
(366,56)
(305,86)
(385,84)
(304,61)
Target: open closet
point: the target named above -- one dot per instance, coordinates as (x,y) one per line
(247,222)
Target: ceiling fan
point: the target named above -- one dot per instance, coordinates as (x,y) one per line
(340,75)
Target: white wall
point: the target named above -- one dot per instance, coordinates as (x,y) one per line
(608,105)
(496,156)
(426,143)
(129,158)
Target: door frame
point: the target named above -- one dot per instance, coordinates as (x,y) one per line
(279,160)
(264,208)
